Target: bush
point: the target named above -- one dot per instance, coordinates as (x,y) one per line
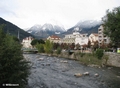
(90,59)
(99,53)
(59,50)
(48,47)
(40,48)
(82,54)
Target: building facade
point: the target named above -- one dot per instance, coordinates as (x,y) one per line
(26,42)
(102,39)
(54,39)
(76,38)
(93,37)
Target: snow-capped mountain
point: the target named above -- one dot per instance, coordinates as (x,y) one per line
(34,29)
(45,30)
(88,23)
(88,26)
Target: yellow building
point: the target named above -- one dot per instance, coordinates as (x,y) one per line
(54,39)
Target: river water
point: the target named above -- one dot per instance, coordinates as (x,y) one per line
(54,72)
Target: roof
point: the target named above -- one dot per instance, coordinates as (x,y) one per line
(96,34)
(54,36)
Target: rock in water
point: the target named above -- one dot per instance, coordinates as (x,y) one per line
(78,74)
(86,73)
(96,74)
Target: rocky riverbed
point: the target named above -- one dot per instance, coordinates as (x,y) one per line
(54,72)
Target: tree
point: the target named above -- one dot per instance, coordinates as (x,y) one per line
(58,50)
(41,41)
(112,25)
(72,46)
(56,45)
(40,48)
(35,41)
(89,44)
(95,46)
(14,68)
(48,46)
(99,53)
(77,46)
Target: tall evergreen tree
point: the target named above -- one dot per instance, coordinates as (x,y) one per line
(14,69)
(112,25)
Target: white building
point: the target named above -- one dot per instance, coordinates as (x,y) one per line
(93,37)
(26,42)
(81,40)
(76,38)
(102,39)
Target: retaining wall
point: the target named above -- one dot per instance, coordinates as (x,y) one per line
(114,59)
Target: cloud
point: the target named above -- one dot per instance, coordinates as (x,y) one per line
(26,13)
(8,8)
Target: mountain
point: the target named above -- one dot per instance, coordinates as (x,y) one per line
(43,31)
(13,29)
(89,26)
(88,23)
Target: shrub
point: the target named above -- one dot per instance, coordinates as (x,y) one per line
(58,50)
(89,59)
(48,46)
(99,53)
(40,48)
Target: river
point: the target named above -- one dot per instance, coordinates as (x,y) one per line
(54,72)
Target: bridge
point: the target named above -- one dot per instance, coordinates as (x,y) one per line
(29,50)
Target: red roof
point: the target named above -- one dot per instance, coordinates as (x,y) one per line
(54,36)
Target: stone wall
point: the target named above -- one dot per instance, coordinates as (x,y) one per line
(114,59)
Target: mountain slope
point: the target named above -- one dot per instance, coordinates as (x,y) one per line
(13,29)
(45,30)
(86,27)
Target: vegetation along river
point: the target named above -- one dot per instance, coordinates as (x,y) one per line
(54,72)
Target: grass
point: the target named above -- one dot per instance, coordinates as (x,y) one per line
(88,59)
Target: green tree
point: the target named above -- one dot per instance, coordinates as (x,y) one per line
(40,48)
(34,42)
(58,50)
(14,68)
(112,25)
(48,46)
(99,53)
(41,41)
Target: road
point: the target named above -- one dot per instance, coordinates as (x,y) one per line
(54,72)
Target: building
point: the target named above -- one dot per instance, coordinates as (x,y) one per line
(83,40)
(26,42)
(76,38)
(102,39)
(93,37)
(54,39)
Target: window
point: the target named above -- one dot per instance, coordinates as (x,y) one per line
(104,35)
(100,29)
(105,40)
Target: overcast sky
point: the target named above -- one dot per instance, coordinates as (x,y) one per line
(26,13)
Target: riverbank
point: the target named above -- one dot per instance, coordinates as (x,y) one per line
(88,59)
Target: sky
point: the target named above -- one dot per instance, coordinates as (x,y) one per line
(26,13)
